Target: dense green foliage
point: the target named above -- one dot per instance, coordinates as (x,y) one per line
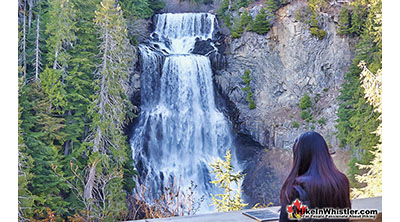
(305,102)
(247,79)
(241,25)
(344,21)
(322,121)
(309,15)
(243,21)
(306,108)
(352,19)
(74,61)
(272,5)
(306,115)
(357,119)
(261,25)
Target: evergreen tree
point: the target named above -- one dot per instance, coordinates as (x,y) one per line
(372,84)
(246,78)
(230,200)
(157,5)
(111,103)
(344,21)
(22,62)
(223,8)
(245,20)
(237,4)
(237,29)
(359,12)
(79,86)
(261,25)
(272,5)
(61,30)
(140,8)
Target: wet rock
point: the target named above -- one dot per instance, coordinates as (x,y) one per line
(203,47)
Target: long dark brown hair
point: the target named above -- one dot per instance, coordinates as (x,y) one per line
(313,169)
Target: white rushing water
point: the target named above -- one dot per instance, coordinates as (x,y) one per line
(179,130)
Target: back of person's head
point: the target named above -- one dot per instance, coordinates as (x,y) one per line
(314,170)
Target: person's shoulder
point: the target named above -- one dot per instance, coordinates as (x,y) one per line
(343,178)
(302,193)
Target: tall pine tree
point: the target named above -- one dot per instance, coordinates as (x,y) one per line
(109,111)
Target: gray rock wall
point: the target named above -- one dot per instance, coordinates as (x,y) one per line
(285,64)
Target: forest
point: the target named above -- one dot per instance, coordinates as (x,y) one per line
(75,60)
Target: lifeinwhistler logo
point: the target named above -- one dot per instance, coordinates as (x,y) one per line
(297,210)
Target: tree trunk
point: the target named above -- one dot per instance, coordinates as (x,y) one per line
(24,43)
(55,59)
(30,3)
(66,149)
(90,182)
(97,139)
(37,62)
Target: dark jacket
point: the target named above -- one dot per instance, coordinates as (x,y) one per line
(301,194)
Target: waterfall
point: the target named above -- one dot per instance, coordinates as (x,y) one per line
(180,129)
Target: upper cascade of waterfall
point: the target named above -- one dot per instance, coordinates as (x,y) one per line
(185,25)
(178,31)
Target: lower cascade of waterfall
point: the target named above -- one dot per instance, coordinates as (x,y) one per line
(179,130)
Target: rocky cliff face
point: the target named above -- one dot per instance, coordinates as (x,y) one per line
(285,64)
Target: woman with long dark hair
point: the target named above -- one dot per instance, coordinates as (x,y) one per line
(314,178)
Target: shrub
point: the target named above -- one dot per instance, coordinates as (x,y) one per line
(306,115)
(173,201)
(317,97)
(322,121)
(314,27)
(235,35)
(298,15)
(246,78)
(305,102)
(252,105)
